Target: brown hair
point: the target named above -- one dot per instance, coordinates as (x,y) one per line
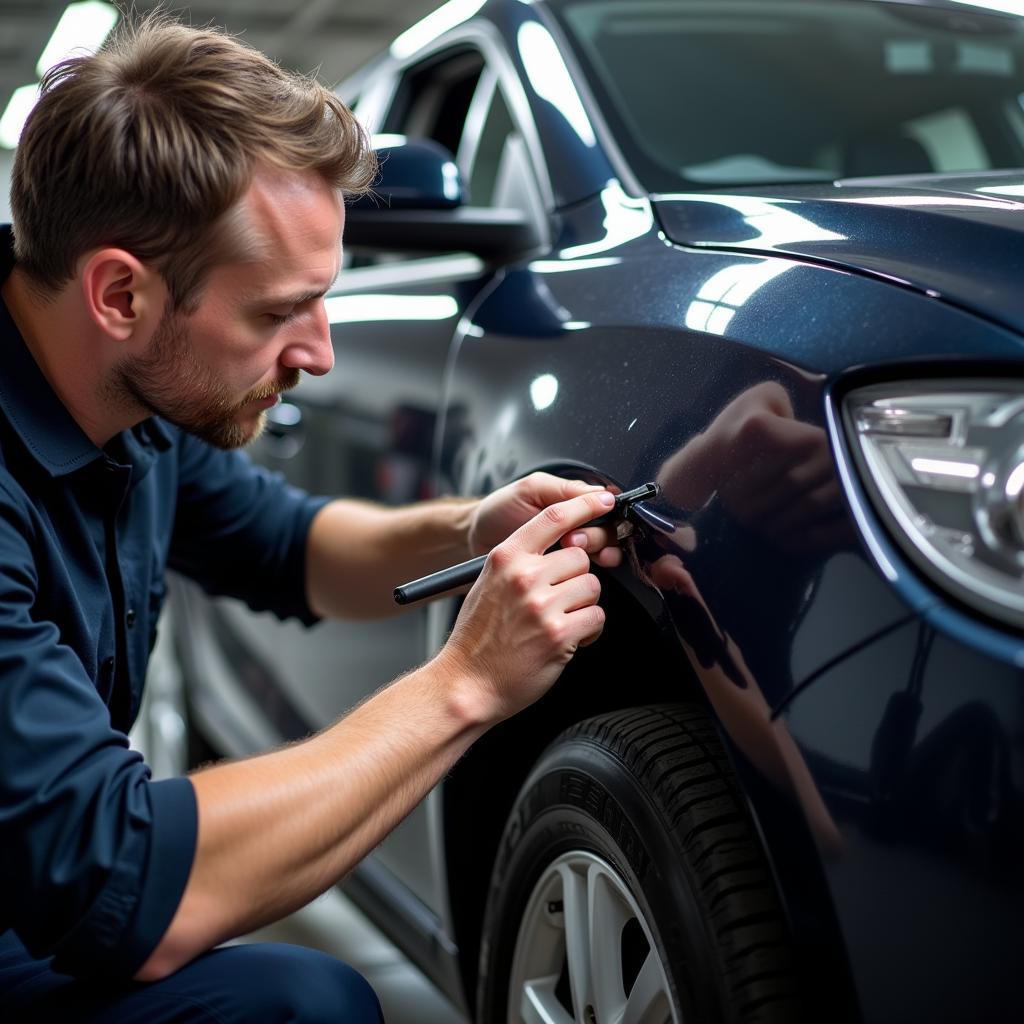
(150,143)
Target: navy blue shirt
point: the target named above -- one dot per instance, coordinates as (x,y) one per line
(94,855)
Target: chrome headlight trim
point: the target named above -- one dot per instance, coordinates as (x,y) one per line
(943,464)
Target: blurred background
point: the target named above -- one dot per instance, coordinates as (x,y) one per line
(335,38)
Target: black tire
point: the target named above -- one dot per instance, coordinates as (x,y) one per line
(649,793)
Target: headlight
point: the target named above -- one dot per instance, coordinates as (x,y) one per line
(945,467)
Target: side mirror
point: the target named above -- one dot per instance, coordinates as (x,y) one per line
(415,174)
(417,205)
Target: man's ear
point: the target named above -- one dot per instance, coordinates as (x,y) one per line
(123,296)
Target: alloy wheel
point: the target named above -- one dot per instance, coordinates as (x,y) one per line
(585,953)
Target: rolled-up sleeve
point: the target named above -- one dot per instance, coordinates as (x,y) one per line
(241,530)
(94,856)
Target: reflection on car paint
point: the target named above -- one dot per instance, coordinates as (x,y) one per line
(726,291)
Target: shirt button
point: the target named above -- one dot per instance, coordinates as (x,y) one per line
(129,618)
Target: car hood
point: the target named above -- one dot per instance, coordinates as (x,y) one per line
(956,237)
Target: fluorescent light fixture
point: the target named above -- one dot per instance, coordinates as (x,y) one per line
(1005,6)
(82,27)
(16,114)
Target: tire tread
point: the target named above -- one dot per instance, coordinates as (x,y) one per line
(675,753)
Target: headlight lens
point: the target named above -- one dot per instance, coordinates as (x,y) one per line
(945,466)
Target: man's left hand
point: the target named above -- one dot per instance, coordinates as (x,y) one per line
(503,512)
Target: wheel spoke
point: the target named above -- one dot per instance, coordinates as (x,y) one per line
(576,913)
(608,914)
(648,1002)
(540,1005)
(582,934)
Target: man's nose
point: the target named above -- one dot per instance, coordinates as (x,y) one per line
(312,351)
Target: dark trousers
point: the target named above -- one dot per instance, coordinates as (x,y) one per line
(265,983)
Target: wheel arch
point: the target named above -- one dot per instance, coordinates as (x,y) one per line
(637,661)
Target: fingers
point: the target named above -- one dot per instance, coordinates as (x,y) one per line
(609,558)
(561,580)
(553,522)
(599,542)
(582,627)
(564,564)
(595,630)
(592,539)
(543,489)
(578,592)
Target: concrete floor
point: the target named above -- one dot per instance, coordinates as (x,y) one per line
(334,925)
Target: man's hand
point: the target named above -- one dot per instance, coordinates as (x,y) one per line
(334,797)
(529,611)
(509,507)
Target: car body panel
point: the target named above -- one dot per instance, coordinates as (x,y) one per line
(898,229)
(634,385)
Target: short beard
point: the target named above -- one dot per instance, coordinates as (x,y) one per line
(170,382)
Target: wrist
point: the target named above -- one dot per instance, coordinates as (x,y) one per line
(467,697)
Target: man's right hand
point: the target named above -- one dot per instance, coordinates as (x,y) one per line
(276,830)
(528,612)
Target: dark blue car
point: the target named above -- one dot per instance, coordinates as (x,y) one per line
(769,254)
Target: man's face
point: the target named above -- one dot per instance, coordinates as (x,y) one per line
(259,324)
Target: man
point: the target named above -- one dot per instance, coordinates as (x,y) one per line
(178,216)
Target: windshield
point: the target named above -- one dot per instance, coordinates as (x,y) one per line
(703,93)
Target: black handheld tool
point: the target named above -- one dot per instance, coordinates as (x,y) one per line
(466,572)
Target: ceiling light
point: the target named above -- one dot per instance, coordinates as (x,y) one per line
(82,27)
(16,114)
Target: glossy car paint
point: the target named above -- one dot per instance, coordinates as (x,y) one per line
(954,236)
(628,399)
(877,726)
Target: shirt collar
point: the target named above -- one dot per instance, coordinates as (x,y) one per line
(42,421)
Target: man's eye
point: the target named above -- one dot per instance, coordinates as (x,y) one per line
(280,318)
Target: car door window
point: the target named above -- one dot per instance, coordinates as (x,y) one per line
(459,103)
(433,100)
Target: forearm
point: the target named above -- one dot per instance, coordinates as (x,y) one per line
(275,831)
(357,553)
